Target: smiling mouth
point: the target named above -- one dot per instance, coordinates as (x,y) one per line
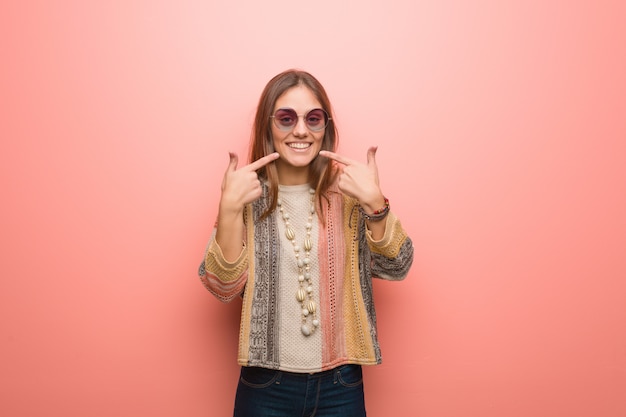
(299,145)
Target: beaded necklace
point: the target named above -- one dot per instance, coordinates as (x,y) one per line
(304,295)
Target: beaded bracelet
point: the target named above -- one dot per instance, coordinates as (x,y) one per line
(379,214)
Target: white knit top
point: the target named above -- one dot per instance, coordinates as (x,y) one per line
(298,353)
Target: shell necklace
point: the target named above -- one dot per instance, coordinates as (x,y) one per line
(304,295)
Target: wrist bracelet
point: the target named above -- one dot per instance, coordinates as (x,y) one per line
(379,214)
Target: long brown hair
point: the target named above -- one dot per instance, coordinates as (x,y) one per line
(321,172)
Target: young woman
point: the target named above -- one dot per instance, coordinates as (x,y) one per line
(301,231)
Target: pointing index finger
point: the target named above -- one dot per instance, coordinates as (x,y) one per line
(261,162)
(336,157)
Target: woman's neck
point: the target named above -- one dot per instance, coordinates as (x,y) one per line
(293,176)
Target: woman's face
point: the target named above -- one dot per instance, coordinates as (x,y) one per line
(299,146)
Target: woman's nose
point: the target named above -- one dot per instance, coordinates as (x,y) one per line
(300,129)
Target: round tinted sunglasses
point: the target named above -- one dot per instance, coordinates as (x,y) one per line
(286,119)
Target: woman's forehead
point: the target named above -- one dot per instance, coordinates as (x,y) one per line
(299,98)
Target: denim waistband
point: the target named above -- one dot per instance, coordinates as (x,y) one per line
(308,375)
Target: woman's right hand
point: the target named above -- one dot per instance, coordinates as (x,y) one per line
(242,186)
(239,187)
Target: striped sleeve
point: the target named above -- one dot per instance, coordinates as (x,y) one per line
(392,256)
(225,280)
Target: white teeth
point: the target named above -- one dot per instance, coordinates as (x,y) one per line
(299,145)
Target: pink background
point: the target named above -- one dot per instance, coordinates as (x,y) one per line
(502,146)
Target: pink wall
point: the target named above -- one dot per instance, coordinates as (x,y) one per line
(502,145)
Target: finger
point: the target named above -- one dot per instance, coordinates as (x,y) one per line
(261,162)
(371,155)
(336,157)
(232,164)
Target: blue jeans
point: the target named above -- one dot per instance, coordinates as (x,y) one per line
(271,393)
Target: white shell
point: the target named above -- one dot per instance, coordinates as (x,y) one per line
(306,330)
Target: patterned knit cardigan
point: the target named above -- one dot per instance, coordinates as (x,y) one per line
(348,259)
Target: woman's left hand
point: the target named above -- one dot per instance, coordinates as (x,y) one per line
(360,180)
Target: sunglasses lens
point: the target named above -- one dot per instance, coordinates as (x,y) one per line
(316,119)
(285,118)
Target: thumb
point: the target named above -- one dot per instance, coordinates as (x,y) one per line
(232,164)
(371,155)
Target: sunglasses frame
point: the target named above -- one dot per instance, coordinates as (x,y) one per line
(289,128)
